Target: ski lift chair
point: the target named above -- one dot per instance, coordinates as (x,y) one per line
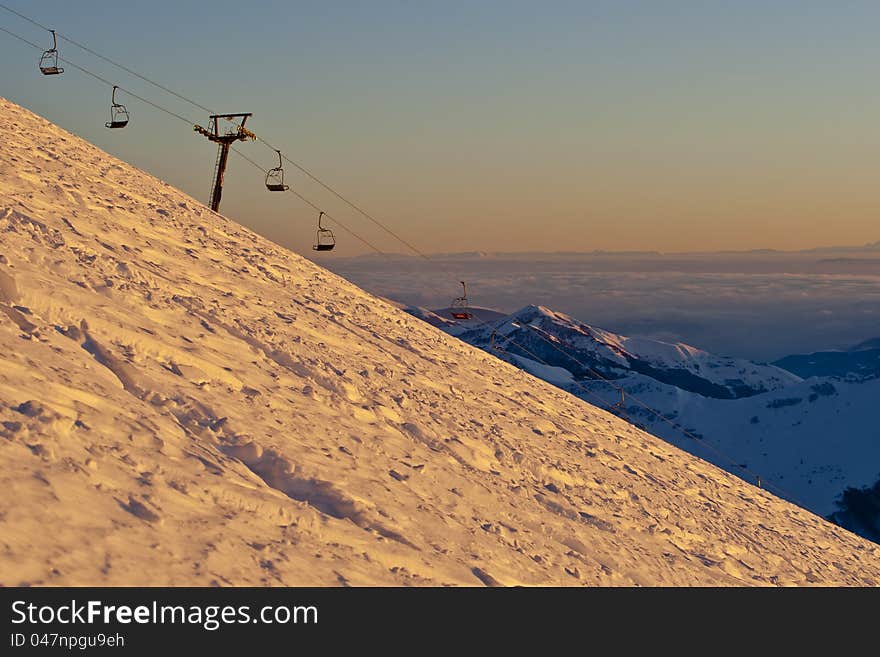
(49,59)
(324,240)
(460,305)
(275,178)
(118,114)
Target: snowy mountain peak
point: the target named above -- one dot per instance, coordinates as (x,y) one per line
(590,352)
(533,310)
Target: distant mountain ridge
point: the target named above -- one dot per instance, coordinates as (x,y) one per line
(586,351)
(873,343)
(464,255)
(861,361)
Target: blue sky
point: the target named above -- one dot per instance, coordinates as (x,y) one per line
(499,125)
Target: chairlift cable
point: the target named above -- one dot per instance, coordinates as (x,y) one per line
(315,207)
(109,60)
(351,204)
(101,79)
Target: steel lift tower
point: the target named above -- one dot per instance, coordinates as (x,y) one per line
(235,132)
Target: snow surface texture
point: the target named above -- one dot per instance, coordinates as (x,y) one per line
(183,402)
(809,439)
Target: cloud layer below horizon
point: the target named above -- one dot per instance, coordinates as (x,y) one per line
(760,309)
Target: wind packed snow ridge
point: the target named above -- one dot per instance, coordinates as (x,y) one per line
(183,402)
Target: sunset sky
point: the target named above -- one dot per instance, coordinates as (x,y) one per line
(496,125)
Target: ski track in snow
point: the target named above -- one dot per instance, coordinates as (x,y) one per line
(183,402)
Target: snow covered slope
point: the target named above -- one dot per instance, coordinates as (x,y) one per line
(184,402)
(811,439)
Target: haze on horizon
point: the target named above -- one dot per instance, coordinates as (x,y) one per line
(499,126)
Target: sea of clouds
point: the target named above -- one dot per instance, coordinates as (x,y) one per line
(757,305)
